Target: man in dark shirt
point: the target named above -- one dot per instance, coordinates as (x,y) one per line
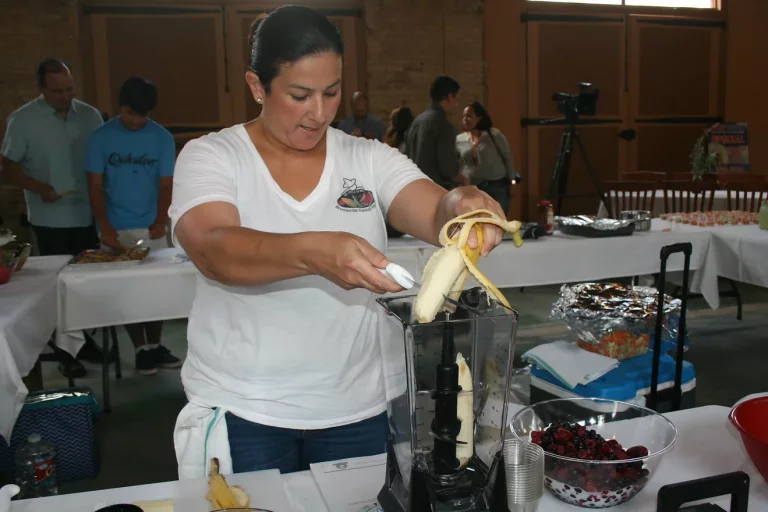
(431,139)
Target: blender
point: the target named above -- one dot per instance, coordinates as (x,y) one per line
(447,406)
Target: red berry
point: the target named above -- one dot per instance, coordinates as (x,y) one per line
(582,454)
(622,455)
(581,432)
(605,449)
(561,474)
(590,486)
(560,449)
(590,443)
(637,451)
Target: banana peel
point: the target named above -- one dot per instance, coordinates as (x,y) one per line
(447,270)
(222,495)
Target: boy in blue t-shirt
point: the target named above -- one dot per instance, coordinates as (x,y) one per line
(129,162)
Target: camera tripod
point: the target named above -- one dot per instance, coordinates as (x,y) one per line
(559,181)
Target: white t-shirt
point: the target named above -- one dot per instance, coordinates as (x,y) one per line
(300,353)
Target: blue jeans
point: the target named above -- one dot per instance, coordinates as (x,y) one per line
(255,447)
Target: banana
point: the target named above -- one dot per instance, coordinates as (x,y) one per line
(465,413)
(220,494)
(447,270)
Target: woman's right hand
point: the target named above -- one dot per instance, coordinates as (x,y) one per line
(348,261)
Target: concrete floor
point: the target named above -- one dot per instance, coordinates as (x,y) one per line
(729,357)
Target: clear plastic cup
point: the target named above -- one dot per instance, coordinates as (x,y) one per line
(524,465)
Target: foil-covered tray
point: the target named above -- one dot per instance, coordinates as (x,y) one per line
(612,319)
(592,227)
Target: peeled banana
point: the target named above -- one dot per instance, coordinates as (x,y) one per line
(464,413)
(222,495)
(447,270)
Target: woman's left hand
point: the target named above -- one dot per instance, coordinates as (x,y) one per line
(468,199)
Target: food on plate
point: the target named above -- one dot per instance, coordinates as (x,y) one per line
(602,477)
(618,345)
(155,506)
(464,413)
(715,218)
(447,270)
(110,256)
(222,495)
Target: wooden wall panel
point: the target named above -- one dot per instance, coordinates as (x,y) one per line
(182,53)
(666,147)
(566,53)
(675,69)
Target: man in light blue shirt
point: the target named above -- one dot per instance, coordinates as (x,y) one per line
(130,162)
(43,153)
(361,123)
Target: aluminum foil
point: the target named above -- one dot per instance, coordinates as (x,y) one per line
(58,394)
(593,310)
(593,222)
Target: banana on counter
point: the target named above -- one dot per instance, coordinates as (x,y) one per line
(221,494)
(447,270)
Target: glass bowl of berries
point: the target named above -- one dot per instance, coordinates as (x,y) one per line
(598,453)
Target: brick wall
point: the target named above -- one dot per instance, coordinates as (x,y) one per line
(31,30)
(409,42)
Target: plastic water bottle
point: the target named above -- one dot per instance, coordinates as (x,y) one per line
(36,468)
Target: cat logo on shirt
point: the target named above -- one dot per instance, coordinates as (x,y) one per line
(355,197)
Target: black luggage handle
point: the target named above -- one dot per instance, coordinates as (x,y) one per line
(687,249)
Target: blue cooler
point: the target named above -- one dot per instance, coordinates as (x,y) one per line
(629,382)
(66,418)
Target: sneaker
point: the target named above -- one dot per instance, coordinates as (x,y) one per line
(164,358)
(145,362)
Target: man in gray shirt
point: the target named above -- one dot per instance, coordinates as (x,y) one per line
(431,139)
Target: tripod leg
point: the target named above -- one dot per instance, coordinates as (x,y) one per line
(593,175)
(559,180)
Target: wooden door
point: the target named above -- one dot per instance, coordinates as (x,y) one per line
(180,49)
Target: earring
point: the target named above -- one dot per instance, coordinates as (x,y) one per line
(258,100)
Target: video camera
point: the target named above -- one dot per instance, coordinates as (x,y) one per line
(583,103)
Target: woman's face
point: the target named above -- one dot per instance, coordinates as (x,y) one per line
(303,99)
(469,119)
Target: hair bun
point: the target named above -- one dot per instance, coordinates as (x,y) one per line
(254,27)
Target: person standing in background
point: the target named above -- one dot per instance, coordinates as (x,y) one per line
(43,153)
(130,178)
(431,140)
(399,121)
(486,161)
(361,123)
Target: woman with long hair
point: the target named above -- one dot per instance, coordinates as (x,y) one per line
(399,121)
(484,157)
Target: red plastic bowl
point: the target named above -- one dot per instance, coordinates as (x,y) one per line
(751,419)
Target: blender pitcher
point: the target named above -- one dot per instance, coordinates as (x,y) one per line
(448,413)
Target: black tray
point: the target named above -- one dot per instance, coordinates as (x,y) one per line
(590,232)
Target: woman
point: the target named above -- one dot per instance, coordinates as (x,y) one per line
(484,156)
(284,217)
(399,121)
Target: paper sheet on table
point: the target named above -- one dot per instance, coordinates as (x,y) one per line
(351,485)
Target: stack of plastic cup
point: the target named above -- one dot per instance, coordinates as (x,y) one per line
(524,465)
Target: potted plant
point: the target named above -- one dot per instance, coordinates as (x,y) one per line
(702,163)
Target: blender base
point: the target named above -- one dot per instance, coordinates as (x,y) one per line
(426,494)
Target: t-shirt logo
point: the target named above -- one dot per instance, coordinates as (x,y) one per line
(355,197)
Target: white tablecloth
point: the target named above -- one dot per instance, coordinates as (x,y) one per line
(561,259)
(707,446)
(720,203)
(738,252)
(27,320)
(161,288)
